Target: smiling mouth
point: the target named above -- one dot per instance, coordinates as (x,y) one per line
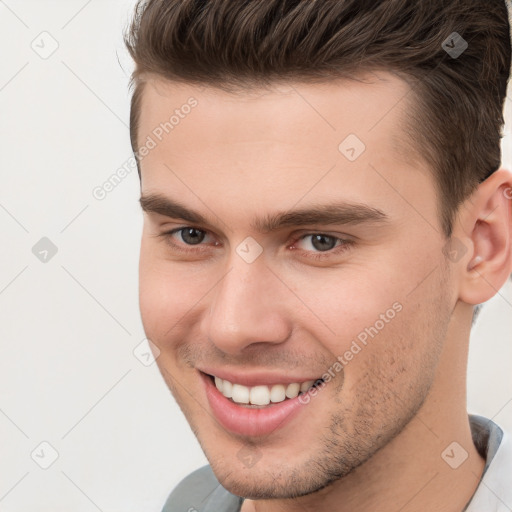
(262,395)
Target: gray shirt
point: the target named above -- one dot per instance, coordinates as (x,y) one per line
(201,492)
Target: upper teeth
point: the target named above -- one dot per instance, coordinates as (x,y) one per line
(260,395)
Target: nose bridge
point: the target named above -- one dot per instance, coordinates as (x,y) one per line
(244,307)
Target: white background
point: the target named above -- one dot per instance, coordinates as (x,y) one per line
(68,327)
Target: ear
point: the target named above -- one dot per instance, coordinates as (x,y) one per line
(484,228)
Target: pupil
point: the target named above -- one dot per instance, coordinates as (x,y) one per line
(192,236)
(323,242)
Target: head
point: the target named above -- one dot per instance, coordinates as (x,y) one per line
(336,167)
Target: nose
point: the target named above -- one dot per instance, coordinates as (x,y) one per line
(246,307)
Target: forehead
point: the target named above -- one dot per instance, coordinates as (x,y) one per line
(276,141)
(364,100)
(370,106)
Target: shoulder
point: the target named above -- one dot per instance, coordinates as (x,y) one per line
(193,492)
(495,446)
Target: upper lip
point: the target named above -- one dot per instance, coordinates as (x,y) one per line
(256,378)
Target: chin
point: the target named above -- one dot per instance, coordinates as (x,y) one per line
(270,481)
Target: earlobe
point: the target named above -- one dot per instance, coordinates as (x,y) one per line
(486,226)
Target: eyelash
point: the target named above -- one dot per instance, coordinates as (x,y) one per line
(321,255)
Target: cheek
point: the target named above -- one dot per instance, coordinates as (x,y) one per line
(160,294)
(343,305)
(402,350)
(170,295)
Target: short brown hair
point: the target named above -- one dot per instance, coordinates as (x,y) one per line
(457,116)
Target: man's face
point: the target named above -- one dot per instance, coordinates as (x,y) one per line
(363,300)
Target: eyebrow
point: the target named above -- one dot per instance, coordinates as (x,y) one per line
(330,213)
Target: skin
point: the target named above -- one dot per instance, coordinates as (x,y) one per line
(372,438)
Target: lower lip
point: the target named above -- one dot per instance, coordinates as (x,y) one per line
(245,420)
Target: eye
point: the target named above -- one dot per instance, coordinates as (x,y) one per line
(180,238)
(191,236)
(320,242)
(320,245)
(314,246)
